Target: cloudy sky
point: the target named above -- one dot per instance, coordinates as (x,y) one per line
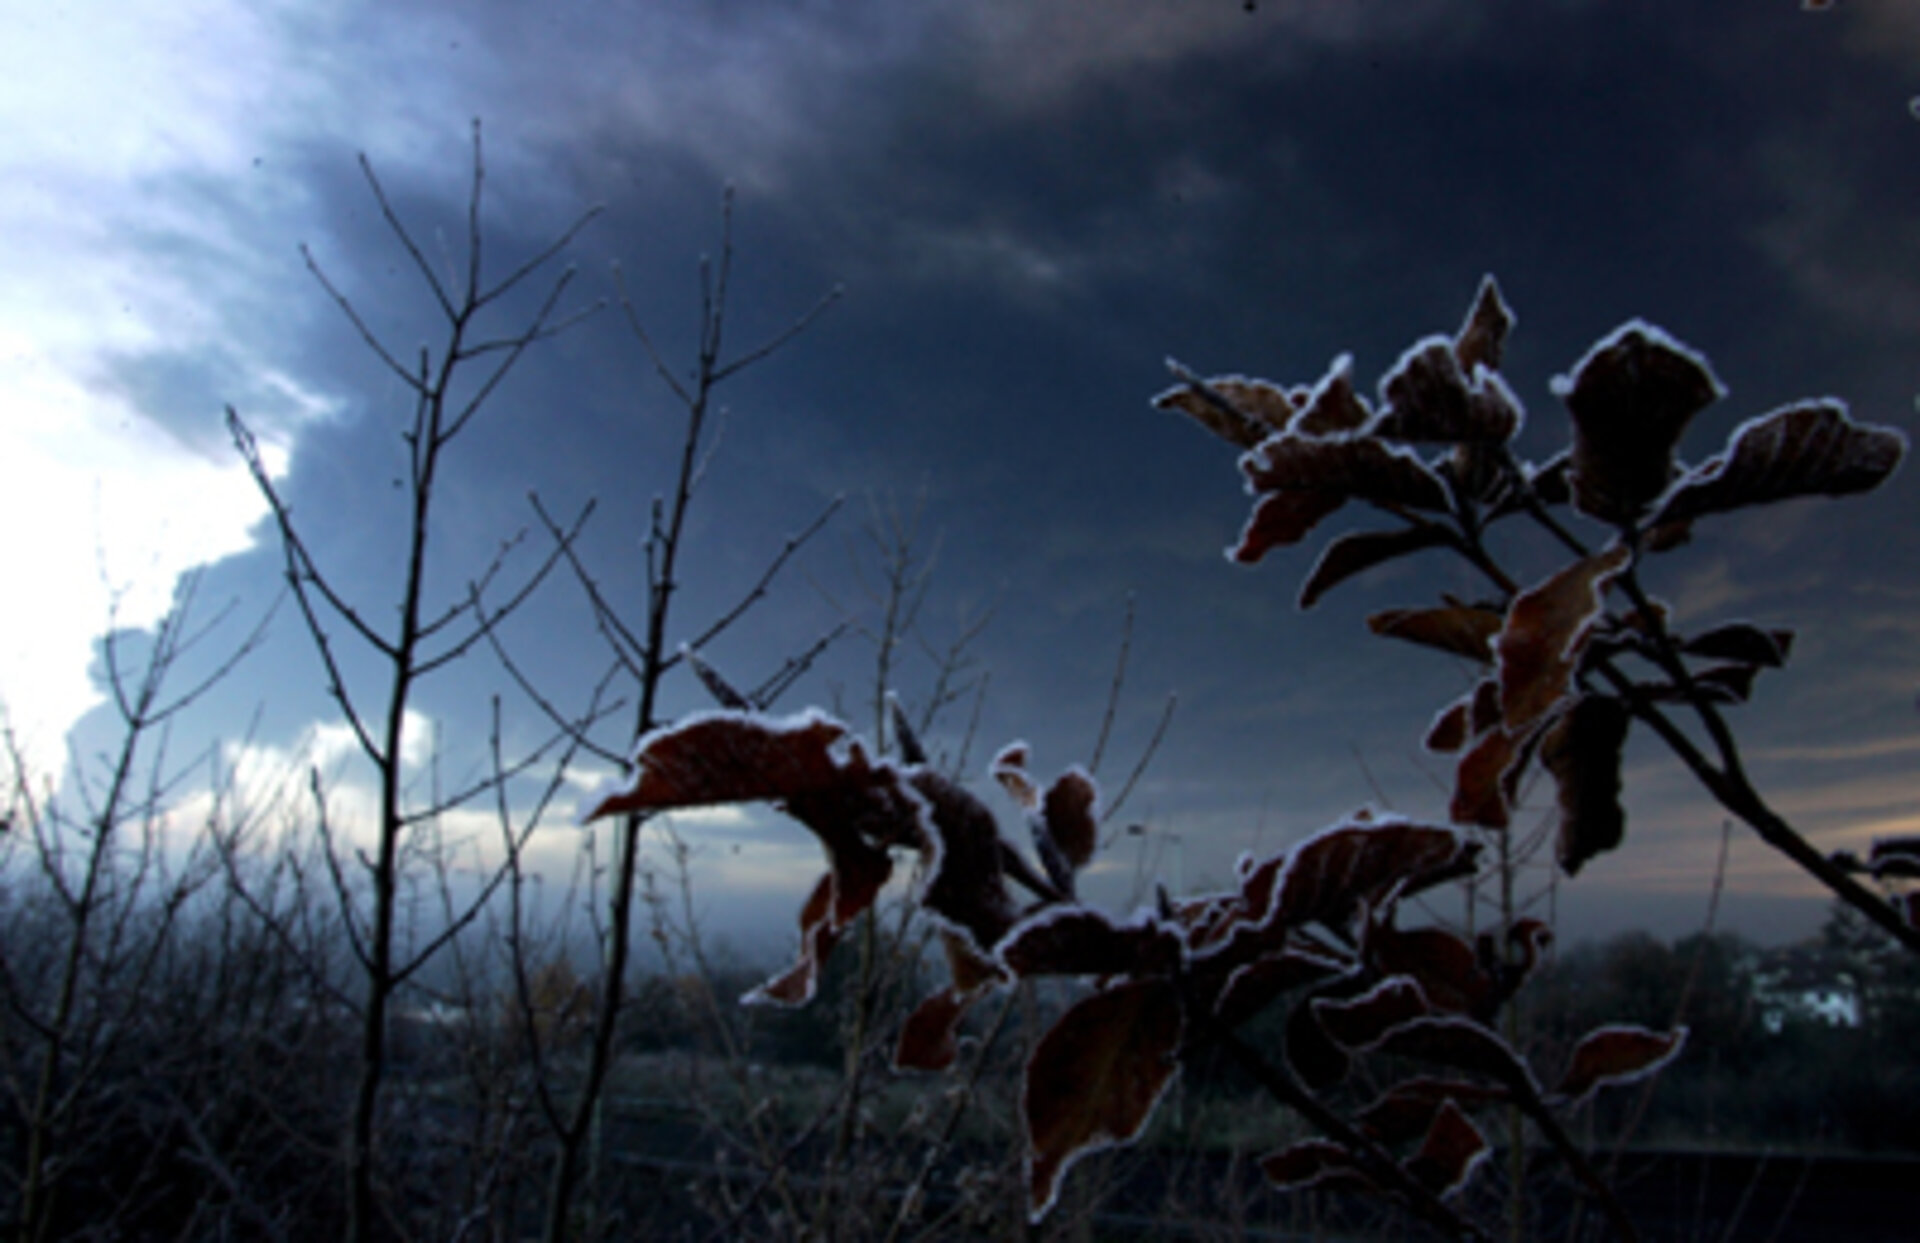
(1029,204)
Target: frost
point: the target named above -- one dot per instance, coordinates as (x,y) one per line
(1562,385)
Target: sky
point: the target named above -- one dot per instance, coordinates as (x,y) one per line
(1028,206)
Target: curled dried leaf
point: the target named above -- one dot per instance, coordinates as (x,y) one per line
(1810,449)
(1482,338)
(1240,411)
(1462,629)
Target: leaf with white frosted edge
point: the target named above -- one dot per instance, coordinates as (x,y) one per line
(1350,468)
(1482,338)
(1538,649)
(1239,410)
(1614,1055)
(1465,719)
(1428,398)
(1349,554)
(1630,398)
(1280,519)
(796,985)
(1095,1077)
(1406,1111)
(1808,449)
(1332,407)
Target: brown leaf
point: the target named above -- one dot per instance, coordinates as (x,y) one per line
(1095,1077)
(821,778)
(795,986)
(1280,519)
(1451,1151)
(1483,335)
(1349,554)
(1614,1055)
(1332,407)
(1547,627)
(1329,876)
(1349,468)
(1811,449)
(1428,399)
(1631,397)
(1313,1163)
(1464,630)
(1582,751)
(1240,411)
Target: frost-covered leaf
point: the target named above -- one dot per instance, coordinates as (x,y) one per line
(1617,1054)
(1811,449)
(1357,1022)
(1077,940)
(1240,411)
(1547,627)
(1427,397)
(1631,397)
(1452,1150)
(808,764)
(1582,751)
(1280,519)
(1482,338)
(1464,630)
(1743,642)
(1314,1163)
(1332,407)
(1332,874)
(1349,554)
(1351,468)
(1095,1077)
